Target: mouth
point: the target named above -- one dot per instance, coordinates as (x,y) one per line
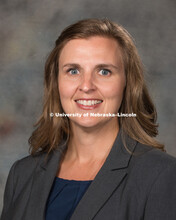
(88,104)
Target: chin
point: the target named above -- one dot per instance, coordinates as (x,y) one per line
(89,122)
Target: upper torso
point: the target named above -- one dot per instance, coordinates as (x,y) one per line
(127,187)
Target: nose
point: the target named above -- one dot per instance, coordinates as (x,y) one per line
(87,83)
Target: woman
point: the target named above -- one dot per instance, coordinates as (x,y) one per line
(85,167)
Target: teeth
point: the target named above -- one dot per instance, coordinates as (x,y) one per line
(89,102)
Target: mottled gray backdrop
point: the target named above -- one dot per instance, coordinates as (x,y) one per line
(28,31)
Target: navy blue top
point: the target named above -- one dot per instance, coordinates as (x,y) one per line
(64,197)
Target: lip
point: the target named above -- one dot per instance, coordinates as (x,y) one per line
(90,107)
(88,99)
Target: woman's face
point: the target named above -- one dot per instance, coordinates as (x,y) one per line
(91,79)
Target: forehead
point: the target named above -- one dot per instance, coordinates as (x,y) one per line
(96,47)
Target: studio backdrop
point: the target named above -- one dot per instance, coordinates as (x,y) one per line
(29,29)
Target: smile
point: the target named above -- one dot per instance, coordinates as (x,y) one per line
(88,102)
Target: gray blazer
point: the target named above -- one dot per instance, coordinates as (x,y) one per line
(141,186)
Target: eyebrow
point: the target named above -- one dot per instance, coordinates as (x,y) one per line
(101,65)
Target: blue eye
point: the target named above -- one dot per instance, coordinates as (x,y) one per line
(73,71)
(105,72)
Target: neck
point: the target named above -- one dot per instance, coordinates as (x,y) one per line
(87,145)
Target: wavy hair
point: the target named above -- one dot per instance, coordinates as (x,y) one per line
(51,131)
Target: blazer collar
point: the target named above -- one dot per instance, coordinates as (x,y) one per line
(108,178)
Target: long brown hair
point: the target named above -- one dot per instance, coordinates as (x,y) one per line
(50,131)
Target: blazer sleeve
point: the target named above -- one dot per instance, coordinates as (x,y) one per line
(161,202)
(8,193)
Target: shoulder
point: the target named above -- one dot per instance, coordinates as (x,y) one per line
(149,164)
(26,165)
(154,174)
(28,160)
(152,157)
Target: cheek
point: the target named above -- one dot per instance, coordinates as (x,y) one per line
(66,89)
(114,90)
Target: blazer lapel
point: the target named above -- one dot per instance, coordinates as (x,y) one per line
(106,181)
(42,183)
